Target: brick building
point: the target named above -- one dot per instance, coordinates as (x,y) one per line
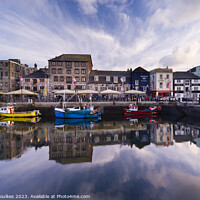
(64,68)
(10,72)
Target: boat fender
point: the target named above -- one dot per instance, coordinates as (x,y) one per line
(159,108)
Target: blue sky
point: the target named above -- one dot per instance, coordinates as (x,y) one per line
(119,34)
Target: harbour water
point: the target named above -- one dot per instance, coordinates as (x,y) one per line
(144,158)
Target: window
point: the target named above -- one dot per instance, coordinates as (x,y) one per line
(83,71)
(59,71)
(1,64)
(62,87)
(83,64)
(27,88)
(68,71)
(178,88)
(161,85)
(167,76)
(178,81)
(107,78)
(6,73)
(68,64)
(187,82)
(61,78)
(53,63)
(77,79)
(27,80)
(41,80)
(96,78)
(195,88)
(115,79)
(195,80)
(59,63)
(53,70)
(76,71)
(161,76)
(83,79)
(68,79)
(136,82)
(1,75)
(76,64)
(55,78)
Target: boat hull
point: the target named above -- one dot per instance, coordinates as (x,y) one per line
(79,114)
(34,113)
(140,113)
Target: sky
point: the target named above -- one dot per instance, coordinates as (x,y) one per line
(119,34)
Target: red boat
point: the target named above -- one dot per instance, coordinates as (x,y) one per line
(133,110)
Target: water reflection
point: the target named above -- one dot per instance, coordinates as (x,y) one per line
(72,141)
(141,158)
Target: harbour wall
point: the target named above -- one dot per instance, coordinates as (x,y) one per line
(113,108)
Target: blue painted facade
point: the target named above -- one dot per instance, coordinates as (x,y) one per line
(140,80)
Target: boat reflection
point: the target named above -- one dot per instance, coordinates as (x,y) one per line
(85,123)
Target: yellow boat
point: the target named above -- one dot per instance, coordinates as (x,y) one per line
(9,112)
(27,119)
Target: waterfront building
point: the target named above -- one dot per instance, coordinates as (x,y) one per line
(186,85)
(36,82)
(161,82)
(10,72)
(195,71)
(100,80)
(140,80)
(69,70)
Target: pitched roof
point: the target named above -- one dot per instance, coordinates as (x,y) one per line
(184,75)
(109,73)
(73,58)
(37,74)
(140,70)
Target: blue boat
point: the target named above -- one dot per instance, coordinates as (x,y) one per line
(76,113)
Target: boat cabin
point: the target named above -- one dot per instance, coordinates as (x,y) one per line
(7,109)
(133,107)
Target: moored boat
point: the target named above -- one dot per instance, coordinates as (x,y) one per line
(76,112)
(133,110)
(9,111)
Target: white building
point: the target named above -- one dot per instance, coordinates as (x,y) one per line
(161,82)
(186,85)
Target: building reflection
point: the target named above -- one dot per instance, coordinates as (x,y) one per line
(16,137)
(72,141)
(185,132)
(162,134)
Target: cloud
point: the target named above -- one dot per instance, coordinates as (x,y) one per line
(88,6)
(181,56)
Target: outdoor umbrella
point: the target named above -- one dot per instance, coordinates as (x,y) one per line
(110,92)
(21,92)
(134,92)
(87,92)
(64,92)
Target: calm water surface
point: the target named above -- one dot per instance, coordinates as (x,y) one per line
(149,158)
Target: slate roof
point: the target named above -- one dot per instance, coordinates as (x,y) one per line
(37,74)
(184,75)
(73,58)
(140,70)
